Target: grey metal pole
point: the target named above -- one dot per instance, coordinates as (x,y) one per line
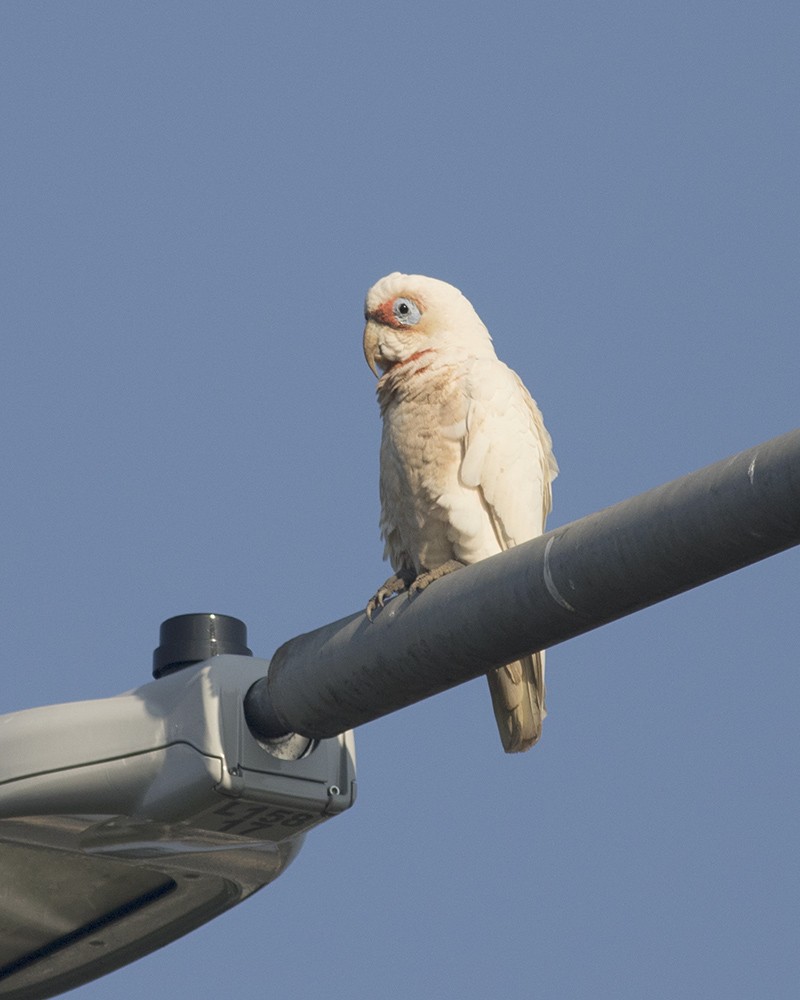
(569,581)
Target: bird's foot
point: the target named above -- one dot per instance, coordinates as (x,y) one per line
(399,583)
(405,581)
(426,578)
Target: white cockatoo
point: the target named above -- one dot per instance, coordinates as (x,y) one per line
(466,462)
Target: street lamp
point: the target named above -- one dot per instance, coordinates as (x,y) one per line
(127,822)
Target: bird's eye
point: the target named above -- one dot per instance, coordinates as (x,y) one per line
(406,312)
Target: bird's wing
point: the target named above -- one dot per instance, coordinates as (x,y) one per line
(508,458)
(508,454)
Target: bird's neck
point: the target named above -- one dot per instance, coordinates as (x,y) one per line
(403,377)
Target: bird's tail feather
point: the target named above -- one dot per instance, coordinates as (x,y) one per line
(518,696)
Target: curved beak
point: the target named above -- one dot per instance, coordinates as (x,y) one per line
(371,348)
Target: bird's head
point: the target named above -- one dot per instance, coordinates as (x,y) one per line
(409,313)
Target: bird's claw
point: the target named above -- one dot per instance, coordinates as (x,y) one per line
(396,584)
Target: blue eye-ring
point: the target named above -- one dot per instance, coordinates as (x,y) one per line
(406,312)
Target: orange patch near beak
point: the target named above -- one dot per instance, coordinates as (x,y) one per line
(385,314)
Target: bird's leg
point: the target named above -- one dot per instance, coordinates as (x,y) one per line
(398,583)
(430,575)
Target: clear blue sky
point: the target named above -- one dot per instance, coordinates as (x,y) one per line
(195,197)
